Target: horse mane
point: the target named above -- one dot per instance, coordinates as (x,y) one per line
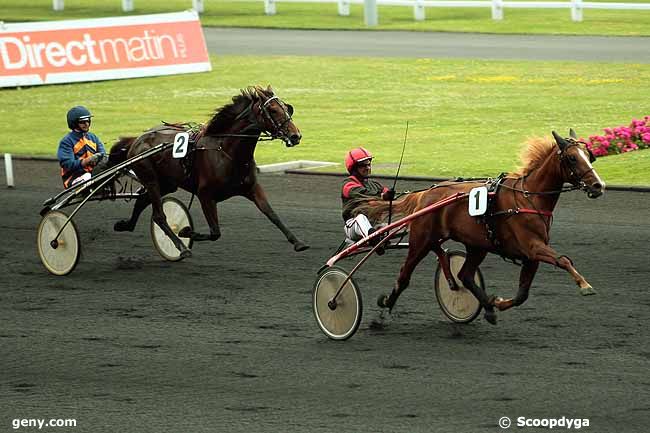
(225,116)
(534,154)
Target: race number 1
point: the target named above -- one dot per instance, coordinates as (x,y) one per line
(478,201)
(181,141)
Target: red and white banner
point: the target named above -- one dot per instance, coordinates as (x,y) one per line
(101,49)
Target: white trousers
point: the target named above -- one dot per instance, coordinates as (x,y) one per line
(84,177)
(357,228)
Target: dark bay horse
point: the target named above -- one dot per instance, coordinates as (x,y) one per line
(220,164)
(515,226)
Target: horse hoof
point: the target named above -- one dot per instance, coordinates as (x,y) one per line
(385,302)
(299,246)
(186,254)
(586,291)
(502,304)
(186,232)
(491,317)
(123,226)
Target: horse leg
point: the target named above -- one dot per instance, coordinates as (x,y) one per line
(526,275)
(544,253)
(158,216)
(141,204)
(475,257)
(209,207)
(443,260)
(258,196)
(418,249)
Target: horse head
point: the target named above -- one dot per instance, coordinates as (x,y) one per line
(576,165)
(274,116)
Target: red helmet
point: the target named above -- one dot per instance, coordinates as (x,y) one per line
(355,156)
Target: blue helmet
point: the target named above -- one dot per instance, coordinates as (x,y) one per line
(75,114)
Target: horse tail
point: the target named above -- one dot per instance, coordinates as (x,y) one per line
(120,150)
(377,210)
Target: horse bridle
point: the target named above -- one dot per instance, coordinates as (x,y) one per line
(566,164)
(267,118)
(570,164)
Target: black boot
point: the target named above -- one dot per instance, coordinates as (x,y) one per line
(373,242)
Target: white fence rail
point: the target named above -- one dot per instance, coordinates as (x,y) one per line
(127,5)
(497,6)
(419,6)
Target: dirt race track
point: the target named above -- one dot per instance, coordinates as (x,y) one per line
(226,341)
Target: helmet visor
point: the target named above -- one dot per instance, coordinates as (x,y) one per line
(364,162)
(84,119)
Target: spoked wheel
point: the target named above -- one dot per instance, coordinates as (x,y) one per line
(178,217)
(460,306)
(339,319)
(60,255)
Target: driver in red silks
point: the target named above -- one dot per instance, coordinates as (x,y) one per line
(359,185)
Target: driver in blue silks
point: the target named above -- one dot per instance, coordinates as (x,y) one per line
(80,150)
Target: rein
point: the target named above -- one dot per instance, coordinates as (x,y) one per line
(527,193)
(263,136)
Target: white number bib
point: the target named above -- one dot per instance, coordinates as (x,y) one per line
(181,143)
(478,200)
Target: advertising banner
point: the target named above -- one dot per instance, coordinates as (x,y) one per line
(101,49)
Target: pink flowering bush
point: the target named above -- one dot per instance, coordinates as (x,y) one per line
(621,139)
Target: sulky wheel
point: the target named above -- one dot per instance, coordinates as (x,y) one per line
(339,319)
(460,306)
(61,255)
(178,217)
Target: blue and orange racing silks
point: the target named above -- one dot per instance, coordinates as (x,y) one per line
(77,145)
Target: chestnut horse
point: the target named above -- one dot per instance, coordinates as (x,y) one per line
(219,165)
(515,226)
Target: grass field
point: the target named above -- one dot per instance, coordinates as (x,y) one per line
(229,13)
(467,118)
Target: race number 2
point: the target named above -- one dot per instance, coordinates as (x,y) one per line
(181,141)
(478,201)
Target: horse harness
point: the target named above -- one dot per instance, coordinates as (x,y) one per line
(490,216)
(196,132)
(493,185)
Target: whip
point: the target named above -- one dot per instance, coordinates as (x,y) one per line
(390,203)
